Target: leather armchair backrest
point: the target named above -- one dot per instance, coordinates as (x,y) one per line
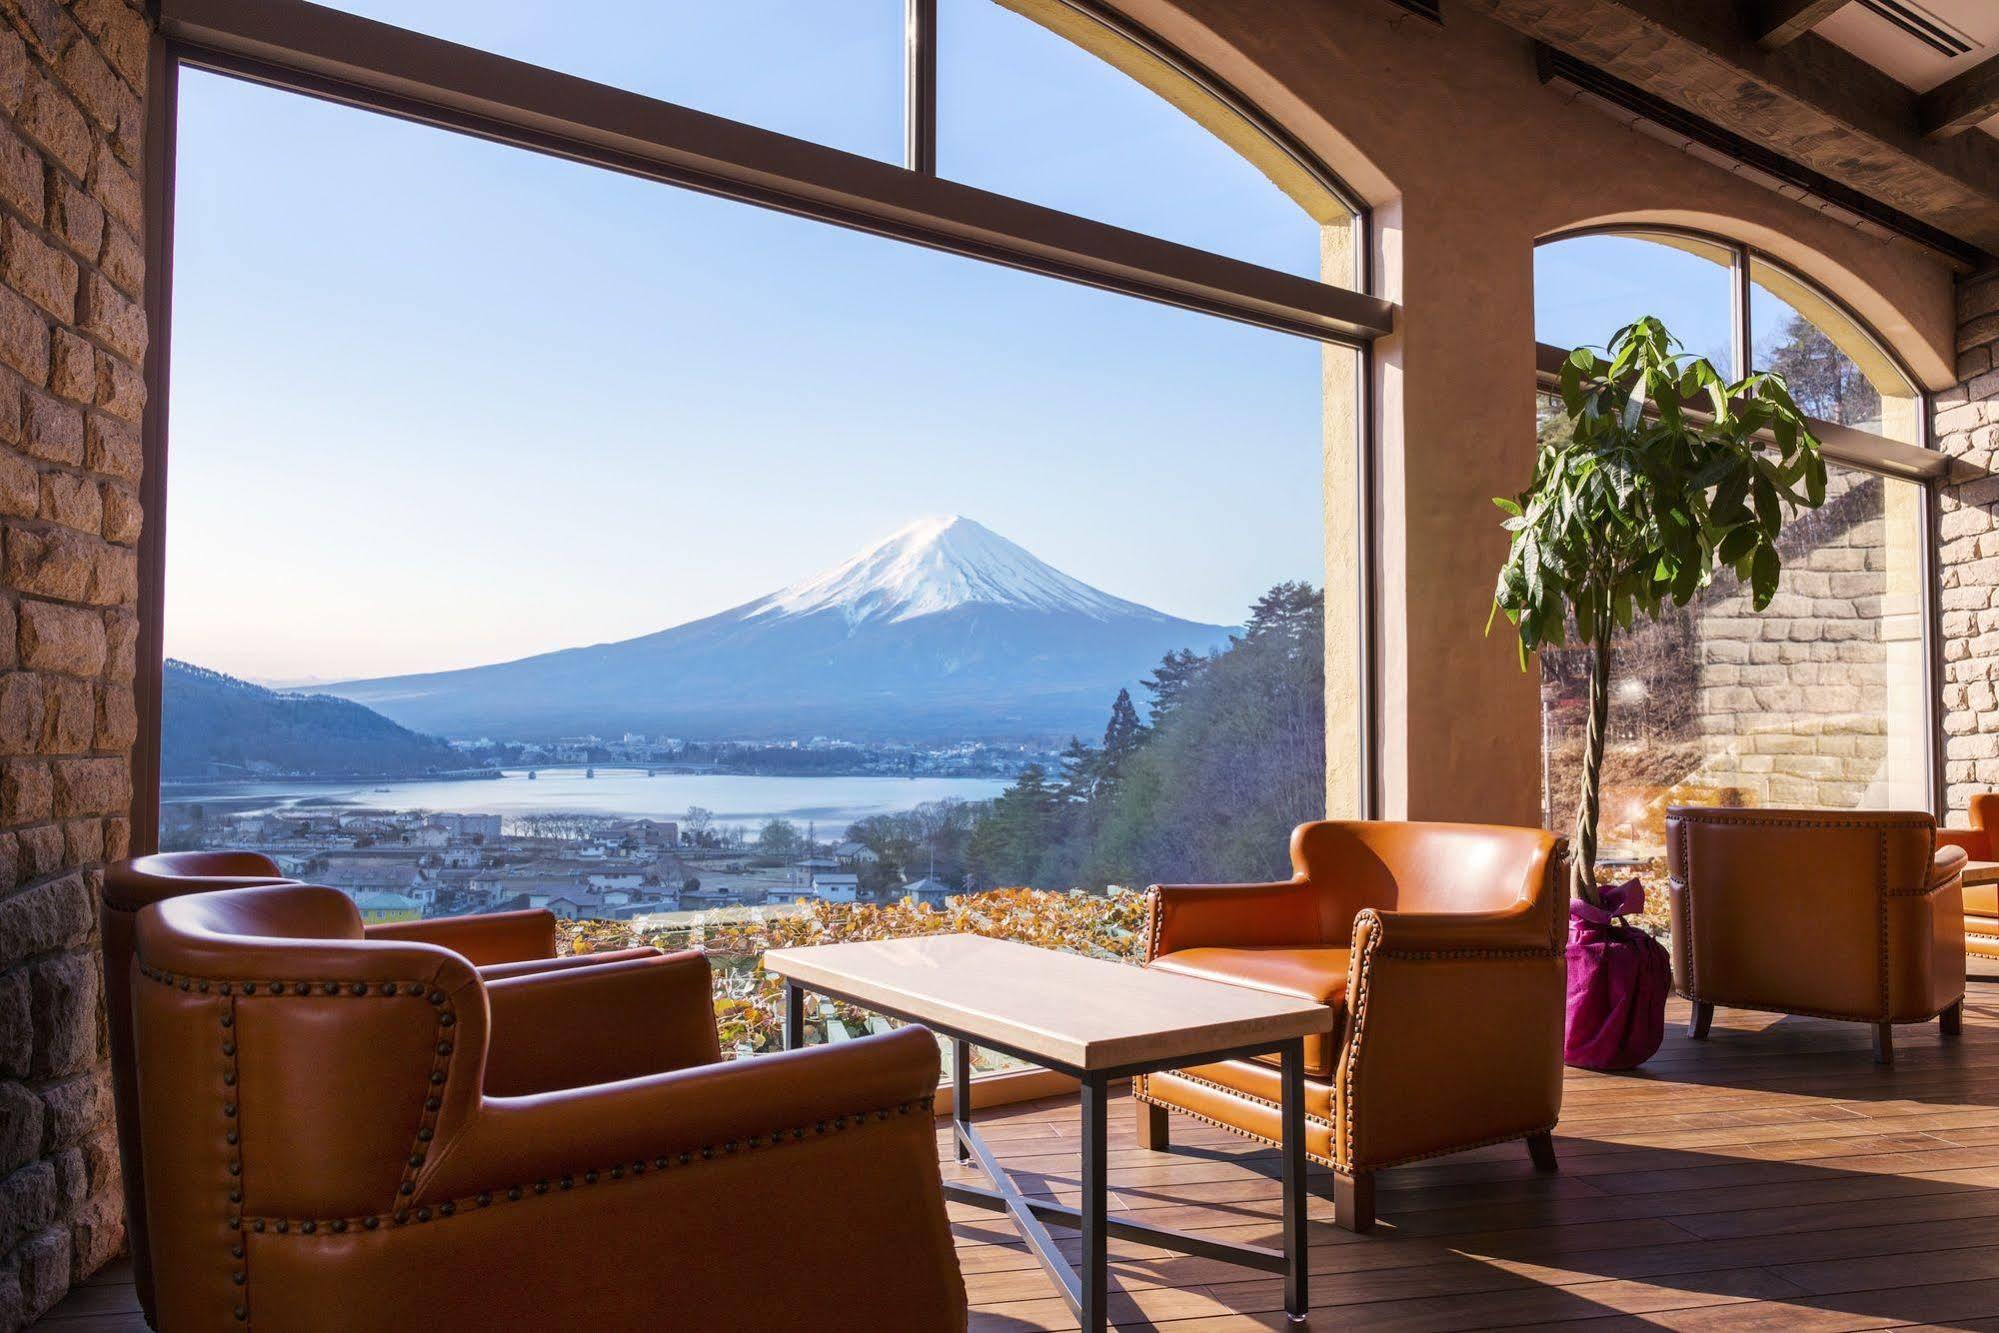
(1795,909)
(1427,867)
(1984,811)
(290,1068)
(132,884)
(129,886)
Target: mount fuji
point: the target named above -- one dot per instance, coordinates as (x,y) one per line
(944,631)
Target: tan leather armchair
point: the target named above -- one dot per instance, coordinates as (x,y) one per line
(1981,901)
(344,1132)
(1849,914)
(511,943)
(1438,948)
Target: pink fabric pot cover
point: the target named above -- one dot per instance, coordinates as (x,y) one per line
(1618,979)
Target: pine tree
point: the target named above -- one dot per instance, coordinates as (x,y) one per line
(1176,672)
(1080,768)
(1122,737)
(1824,380)
(1010,841)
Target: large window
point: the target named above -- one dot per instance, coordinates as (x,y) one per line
(542,536)
(824,70)
(1820,700)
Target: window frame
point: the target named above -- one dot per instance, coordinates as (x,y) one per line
(302,48)
(1851,448)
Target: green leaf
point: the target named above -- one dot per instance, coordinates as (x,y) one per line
(1738,543)
(1763,575)
(1768,511)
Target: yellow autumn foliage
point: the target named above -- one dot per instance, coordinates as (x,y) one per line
(749,1001)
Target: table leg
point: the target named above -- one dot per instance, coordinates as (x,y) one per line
(794,1016)
(961,1095)
(1296,1251)
(1096,1257)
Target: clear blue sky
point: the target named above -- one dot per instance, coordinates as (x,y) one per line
(438,402)
(1587,288)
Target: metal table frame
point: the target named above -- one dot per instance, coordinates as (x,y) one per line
(1086,1288)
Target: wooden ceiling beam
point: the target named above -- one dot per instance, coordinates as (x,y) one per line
(1960,103)
(1778,23)
(1810,102)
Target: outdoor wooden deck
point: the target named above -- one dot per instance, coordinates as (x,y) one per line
(1773,1178)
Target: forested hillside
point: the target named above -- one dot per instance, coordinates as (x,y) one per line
(216,726)
(1208,787)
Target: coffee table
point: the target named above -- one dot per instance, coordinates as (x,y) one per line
(1096,1021)
(1981,872)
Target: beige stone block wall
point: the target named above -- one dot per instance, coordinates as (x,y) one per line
(72,340)
(1816,700)
(1966,427)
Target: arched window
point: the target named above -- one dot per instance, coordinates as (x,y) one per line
(1047,101)
(1823,699)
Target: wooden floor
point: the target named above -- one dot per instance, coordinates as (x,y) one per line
(1771,1178)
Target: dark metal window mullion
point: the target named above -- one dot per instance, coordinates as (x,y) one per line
(1742,331)
(919,86)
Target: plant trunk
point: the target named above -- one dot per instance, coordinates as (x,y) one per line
(1584,879)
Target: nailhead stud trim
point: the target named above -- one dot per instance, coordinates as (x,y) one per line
(239,1276)
(599,1175)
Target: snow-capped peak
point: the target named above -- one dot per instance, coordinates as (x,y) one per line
(936,564)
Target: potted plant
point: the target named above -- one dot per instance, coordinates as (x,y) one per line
(1667,474)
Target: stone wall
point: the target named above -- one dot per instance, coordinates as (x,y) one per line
(72,338)
(1967,426)
(1817,700)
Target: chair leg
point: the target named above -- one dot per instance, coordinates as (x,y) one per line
(1541,1147)
(1697,1025)
(1353,1201)
(1951,1021)
(1152,1132)
(1884,1043)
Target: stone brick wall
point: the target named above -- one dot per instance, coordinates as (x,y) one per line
(1817,700)
(1967,427)
(72,338)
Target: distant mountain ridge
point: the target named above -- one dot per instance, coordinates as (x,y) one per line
(216,726)
(943,631)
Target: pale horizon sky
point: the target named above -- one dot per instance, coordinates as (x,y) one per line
(438,402)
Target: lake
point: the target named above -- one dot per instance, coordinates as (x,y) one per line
(625,793)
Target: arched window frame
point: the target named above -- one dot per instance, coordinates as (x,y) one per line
(1859,450)
(304,48)
(1850,447)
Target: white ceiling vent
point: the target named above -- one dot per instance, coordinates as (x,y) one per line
(1924,25)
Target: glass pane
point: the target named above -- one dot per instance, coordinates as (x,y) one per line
(557,478)
(1835,371)
(1588,287)
(1816,702)
(1027,112)
(825,70)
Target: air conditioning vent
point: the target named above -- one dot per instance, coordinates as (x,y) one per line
(1922,25)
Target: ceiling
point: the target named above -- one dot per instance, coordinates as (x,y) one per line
(1918,43)
(1883,113)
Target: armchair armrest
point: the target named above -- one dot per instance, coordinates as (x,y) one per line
(1404,933)
(495,937)
(574,1026)
(705,1111)
(1455,1035)
(1948,863)
(1975,842)
(1231,916)
(534,966)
